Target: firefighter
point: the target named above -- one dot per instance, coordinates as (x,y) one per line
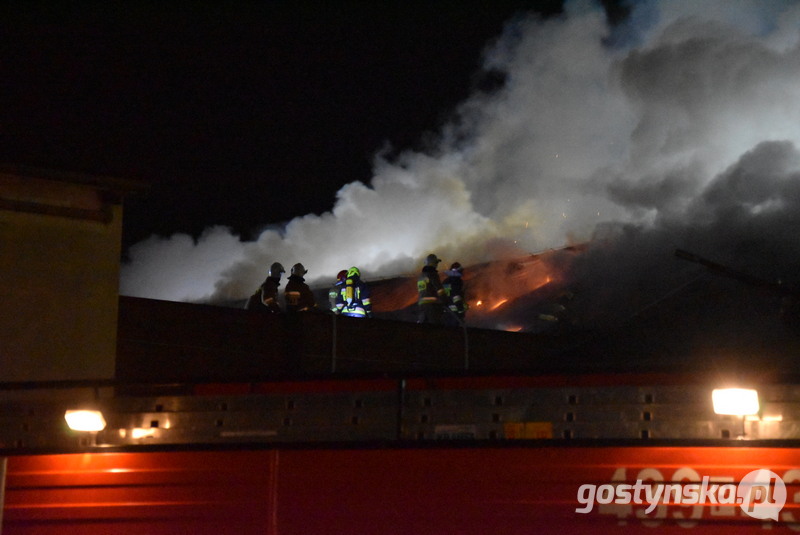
(297,294)
(454,288)
(265,299)
(432,297)
(354,297)
(336,289)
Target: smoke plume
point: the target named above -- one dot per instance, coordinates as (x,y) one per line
(677,127)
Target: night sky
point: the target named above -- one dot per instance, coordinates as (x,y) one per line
(238,116)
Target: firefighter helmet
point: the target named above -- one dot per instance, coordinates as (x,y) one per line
(276,269)
(457,267)
(299,270)
(432,260)
(353,272)
(342,275)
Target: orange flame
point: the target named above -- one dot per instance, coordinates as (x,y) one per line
(499,304)
(541,284)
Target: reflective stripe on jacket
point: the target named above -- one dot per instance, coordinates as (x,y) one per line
(333,297)
(354,299)
(429,287)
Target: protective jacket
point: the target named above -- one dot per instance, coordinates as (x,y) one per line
(432,297)
(265,299)
(333,297)
(429,287)
(354,298)
(299,297)
(454,288)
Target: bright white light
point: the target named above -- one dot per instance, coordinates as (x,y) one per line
(85,420)
(140,432)
(735,401)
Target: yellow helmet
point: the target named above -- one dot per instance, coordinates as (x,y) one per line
(353,272)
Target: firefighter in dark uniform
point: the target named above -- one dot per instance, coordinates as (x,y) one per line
(298,296)
(336,289)
(265,299)
(354,297)
(454,288)
(432,297)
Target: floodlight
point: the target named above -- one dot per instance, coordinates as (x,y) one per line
(735,401)
(85,420)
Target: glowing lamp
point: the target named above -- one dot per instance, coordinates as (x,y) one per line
(85,420)
(735,401)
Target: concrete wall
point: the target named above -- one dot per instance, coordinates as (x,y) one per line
(59,276)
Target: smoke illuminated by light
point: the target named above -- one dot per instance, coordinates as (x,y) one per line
(685,116)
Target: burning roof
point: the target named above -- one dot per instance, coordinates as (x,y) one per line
(518,294)
(667,311)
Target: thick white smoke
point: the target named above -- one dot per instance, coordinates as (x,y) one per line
(681,124)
